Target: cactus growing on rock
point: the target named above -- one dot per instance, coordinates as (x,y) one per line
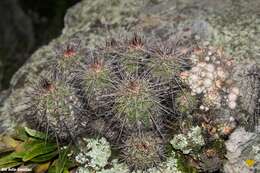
(134,85)
(143,150)
(55,108)
(136,101)
(67,57)
(96,79)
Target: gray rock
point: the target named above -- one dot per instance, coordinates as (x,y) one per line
(241,147)
(16,38)
(247,76)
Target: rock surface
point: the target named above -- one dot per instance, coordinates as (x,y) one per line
(16,39)
(233,25)
(243,147)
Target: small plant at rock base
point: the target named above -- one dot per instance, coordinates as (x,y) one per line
(32,150)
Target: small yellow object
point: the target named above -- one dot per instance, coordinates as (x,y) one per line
(41,168)
(250,163)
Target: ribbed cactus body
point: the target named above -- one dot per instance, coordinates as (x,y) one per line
(142,151)
(136,102)
(55,108)
(96,81)
(68,57)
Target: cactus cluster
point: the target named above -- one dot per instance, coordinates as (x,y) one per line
(126,91)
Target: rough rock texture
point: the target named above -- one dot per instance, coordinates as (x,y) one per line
(248,78)
(241,147)
(16,39)
(233,25)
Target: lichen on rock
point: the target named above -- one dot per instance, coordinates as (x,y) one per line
(242,151)
(193,140)
(95,154)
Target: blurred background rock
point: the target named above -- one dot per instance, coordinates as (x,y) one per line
(25,25)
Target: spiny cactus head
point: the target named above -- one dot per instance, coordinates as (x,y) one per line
(130,54)
(54,108)
(97,74)
(165,62)
(67,56)
(185,102)
(136,102)
(142,150)
(96,80)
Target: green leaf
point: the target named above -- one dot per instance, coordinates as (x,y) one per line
(21,134)
(62,161)
(11,165)
(22,148)
(34,133)
(66,170)
(45,157)
(52,169)
(19,155)
(9,161)
(39,149)
(61,164)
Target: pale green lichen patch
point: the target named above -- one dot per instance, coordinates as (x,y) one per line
(96,154)
(190,142)
(180,142)
(116,168)
(195,136)
(169,166)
